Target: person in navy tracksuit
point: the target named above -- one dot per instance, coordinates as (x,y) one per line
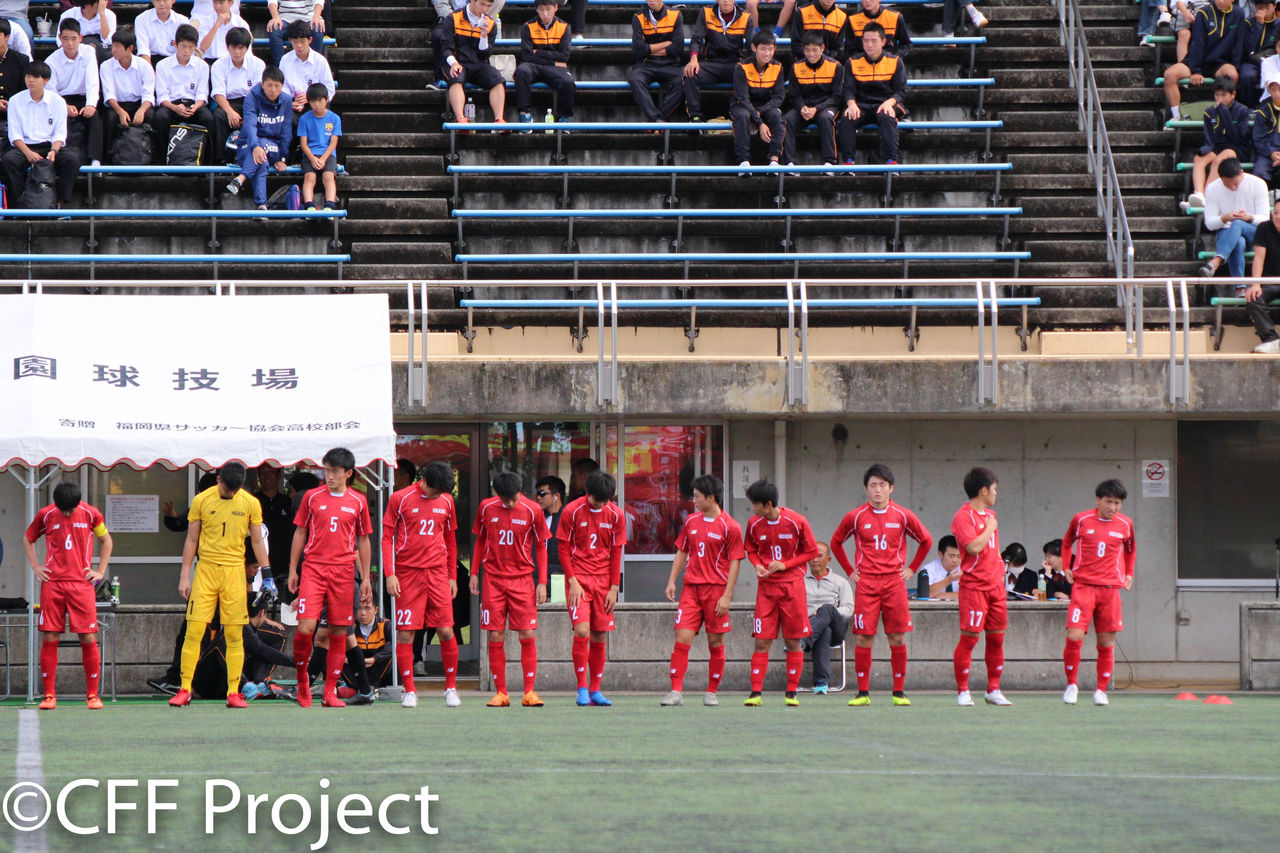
(1217,48)
(1226,134)
(265,135)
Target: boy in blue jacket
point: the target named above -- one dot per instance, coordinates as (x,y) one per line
(1226,135)
(264,137)
(1217,48)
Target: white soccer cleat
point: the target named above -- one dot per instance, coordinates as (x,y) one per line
(1100,698)
(451,699)
(1071,694)
(964,699)
(995,697)
(410,700)
(672,699)
(710,699)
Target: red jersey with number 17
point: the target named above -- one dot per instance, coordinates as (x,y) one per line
(789,539)
(879,537)
(424,530)
(333,524)
(711,543)
(985,568)
(68,539)
(1106,551)
(510,536)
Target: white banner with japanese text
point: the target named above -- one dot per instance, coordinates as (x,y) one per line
(142,380)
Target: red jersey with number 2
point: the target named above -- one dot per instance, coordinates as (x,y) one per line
(880,537)
(986,567)
(68,539)
(711,543)
(333,524)
(788,540)
(1105,550)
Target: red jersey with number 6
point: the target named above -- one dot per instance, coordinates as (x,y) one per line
(985,568)
(880,537)
(333,524)
(711,543)
(789,540)
(1106,549)
(510,536)
(69,539)
(424,530)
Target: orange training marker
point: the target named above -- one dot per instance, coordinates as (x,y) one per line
(1218,700)
(1185,697)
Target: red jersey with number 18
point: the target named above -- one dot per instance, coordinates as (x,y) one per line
(1106,551)
(789,540)
(69,539)
(880,539)
(424,530)
(984,568)
(333,524)
(711,543)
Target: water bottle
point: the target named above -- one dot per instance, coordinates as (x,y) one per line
(549,119)
(469,111)
(115,591)
(922,585)
(1041,589)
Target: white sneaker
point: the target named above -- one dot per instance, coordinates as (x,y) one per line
(1071,694)
(1100,698)
(745,164)
(995,697)
(671,699)
(710,699)
(1268,347)
(1196,200)
(96,163)
(451,699)
(964,699)
(410,700)
(1165,20)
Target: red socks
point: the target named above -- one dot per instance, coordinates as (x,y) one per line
(715,668)
(679,665)
(404,664)
(334,662)
(448,657)
(795,663)
(595,659)
(962,659)
(1106,663)
(302,659)
(49,667)
(529,662)
(898,661)
(498,666)
(759,665)
(91,655)
(995,661)
(1071,660)
(581,659)
(862,667)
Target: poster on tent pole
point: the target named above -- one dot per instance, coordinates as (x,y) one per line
(142,380)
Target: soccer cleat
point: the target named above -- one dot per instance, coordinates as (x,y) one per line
(1100,698)
(584,697)
(451,699)
(964,699)
(236,700)
(362,699)
(995,697)
(345,692)
(499,700)
(1071,694)
(181,699)
(94,702)
(331,700)
(50,702)
(410,700)
(900,699)
(250,691)
(531,700)
(755,700)
(820,689)
(161,686)
(598,699)
(863,698)
(790,700)
(672,699)
(304,694)
(710,699)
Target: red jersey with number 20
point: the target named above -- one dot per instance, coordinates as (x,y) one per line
(985,568)
(880,539)
(333,524)
(424,530)
(789,539)
(711,543)
(69,540)
(510,537)
(1106,549)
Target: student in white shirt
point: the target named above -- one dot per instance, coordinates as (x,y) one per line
(75,78)
(233,76)
(302,67)
(203,9)
(97,23)
(214,28)
(128,87)
(182,90)
(155,30)
(38,131)
(284,13)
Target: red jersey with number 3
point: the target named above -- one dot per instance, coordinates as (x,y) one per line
(986,568)
(879,537)
(510,536)
(590,535)
(333,524)
(789,539)
(424,529)
(68,539)
(711,543)
(1105,551)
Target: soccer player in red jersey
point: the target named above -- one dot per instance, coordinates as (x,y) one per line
(333,528)
(67,578)
(982,593)
(779,543)
(880,529)
(511,539)
(420,535)
(709,551)
(1105,551)
(592,534)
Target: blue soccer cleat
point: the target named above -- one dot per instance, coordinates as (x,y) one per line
(598,698)
(820,689)
(584,696)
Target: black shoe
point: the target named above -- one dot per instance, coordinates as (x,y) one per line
(361,699)
(161,686)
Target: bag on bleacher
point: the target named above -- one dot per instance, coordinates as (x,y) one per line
(286,198)
(186,144)
(506,65)
(77,140)
(41,192)
(132,146)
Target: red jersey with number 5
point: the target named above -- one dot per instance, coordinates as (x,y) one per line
(1106,549)
(68,539)
(789,540)
(711,543)
(879,537)
(589,537)
(510,536)
(985,568)
(333,524)
(424,530)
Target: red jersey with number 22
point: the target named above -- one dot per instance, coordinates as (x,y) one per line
(68,540)
(1106,549)
(424,529)
(985,568)
(333,524)
(711,543)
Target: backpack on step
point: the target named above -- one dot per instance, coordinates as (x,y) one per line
(133,146)
(186,144)
(41,192)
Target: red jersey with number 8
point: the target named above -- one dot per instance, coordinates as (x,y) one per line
(711,543)
(69,539)
(333,524)
(1106,548)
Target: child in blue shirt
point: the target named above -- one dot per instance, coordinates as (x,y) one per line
(318,131)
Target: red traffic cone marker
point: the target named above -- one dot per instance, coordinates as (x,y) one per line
(1218,700)
(1187,697)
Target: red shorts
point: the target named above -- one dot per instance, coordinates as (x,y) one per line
(327,591)
(698,605)
(591,609)
(1101,604)
(781,604)
(425,600)
(504,600)
(60,598)
(983,608)
(875,598)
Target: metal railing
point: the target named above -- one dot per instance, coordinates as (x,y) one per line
(1102,163)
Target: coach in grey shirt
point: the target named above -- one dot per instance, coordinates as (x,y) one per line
(830,601)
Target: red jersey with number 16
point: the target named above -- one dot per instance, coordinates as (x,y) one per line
(1106,551)
(880,539)
(711,543)
(68,539)
(510,536)
(789,539)
(985,568)
(333,524)
(424,530)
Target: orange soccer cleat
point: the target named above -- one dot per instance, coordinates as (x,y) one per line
(94,702)
(499,700)
(531,700)
(50,702)
(181,699)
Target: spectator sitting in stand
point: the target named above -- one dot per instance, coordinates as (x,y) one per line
(462,43)
(284,13)
(1259,45)
(814,89)
(156,30)
(1019,578)
(213,29)
(1234,206)
(875,90)
(719,42)
(1266,262)
(758,91)
(1216,48)
(944,572)
(264,136)
(1227,135)
(182,90)
(231,79)
(38,131)
(75,78)
(1056,583)
(826,18)
(897,38)
(302,67)
(318,134)
(657,46)
(545,42)
(97,23)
